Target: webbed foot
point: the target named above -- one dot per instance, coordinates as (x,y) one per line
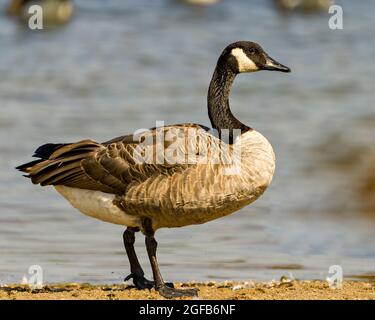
(141,283)
(170,293)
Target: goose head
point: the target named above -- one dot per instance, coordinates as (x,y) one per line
(246,56)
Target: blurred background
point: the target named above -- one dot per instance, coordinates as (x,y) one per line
(118,66)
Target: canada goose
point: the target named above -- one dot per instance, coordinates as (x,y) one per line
(107,181)
(304,5)
(54,11)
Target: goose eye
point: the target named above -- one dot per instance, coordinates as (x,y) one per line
(252,51)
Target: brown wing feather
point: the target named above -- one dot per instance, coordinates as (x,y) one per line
(63,166)
(109,167)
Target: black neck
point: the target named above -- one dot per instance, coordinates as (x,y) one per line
(219,111)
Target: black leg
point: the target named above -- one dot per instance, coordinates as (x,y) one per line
(136,270)
(160,285)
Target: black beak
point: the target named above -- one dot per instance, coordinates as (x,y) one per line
(273,65)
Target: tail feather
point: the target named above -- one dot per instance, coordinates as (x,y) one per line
(58,161)
(26,167)
(45,151)
(74,148)
(48,173)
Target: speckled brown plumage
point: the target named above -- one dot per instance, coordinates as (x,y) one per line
(193,191)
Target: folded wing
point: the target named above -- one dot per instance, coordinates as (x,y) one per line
(118,164)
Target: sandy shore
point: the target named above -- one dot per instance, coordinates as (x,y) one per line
(284,289)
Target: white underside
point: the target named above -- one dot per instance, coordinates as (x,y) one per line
(98,205)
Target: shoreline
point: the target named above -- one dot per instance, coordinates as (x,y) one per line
(285,289)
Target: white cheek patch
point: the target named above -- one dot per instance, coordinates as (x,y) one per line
(245,64)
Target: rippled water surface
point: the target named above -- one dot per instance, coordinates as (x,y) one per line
(122,65)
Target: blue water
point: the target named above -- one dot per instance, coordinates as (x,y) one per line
(122,65)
